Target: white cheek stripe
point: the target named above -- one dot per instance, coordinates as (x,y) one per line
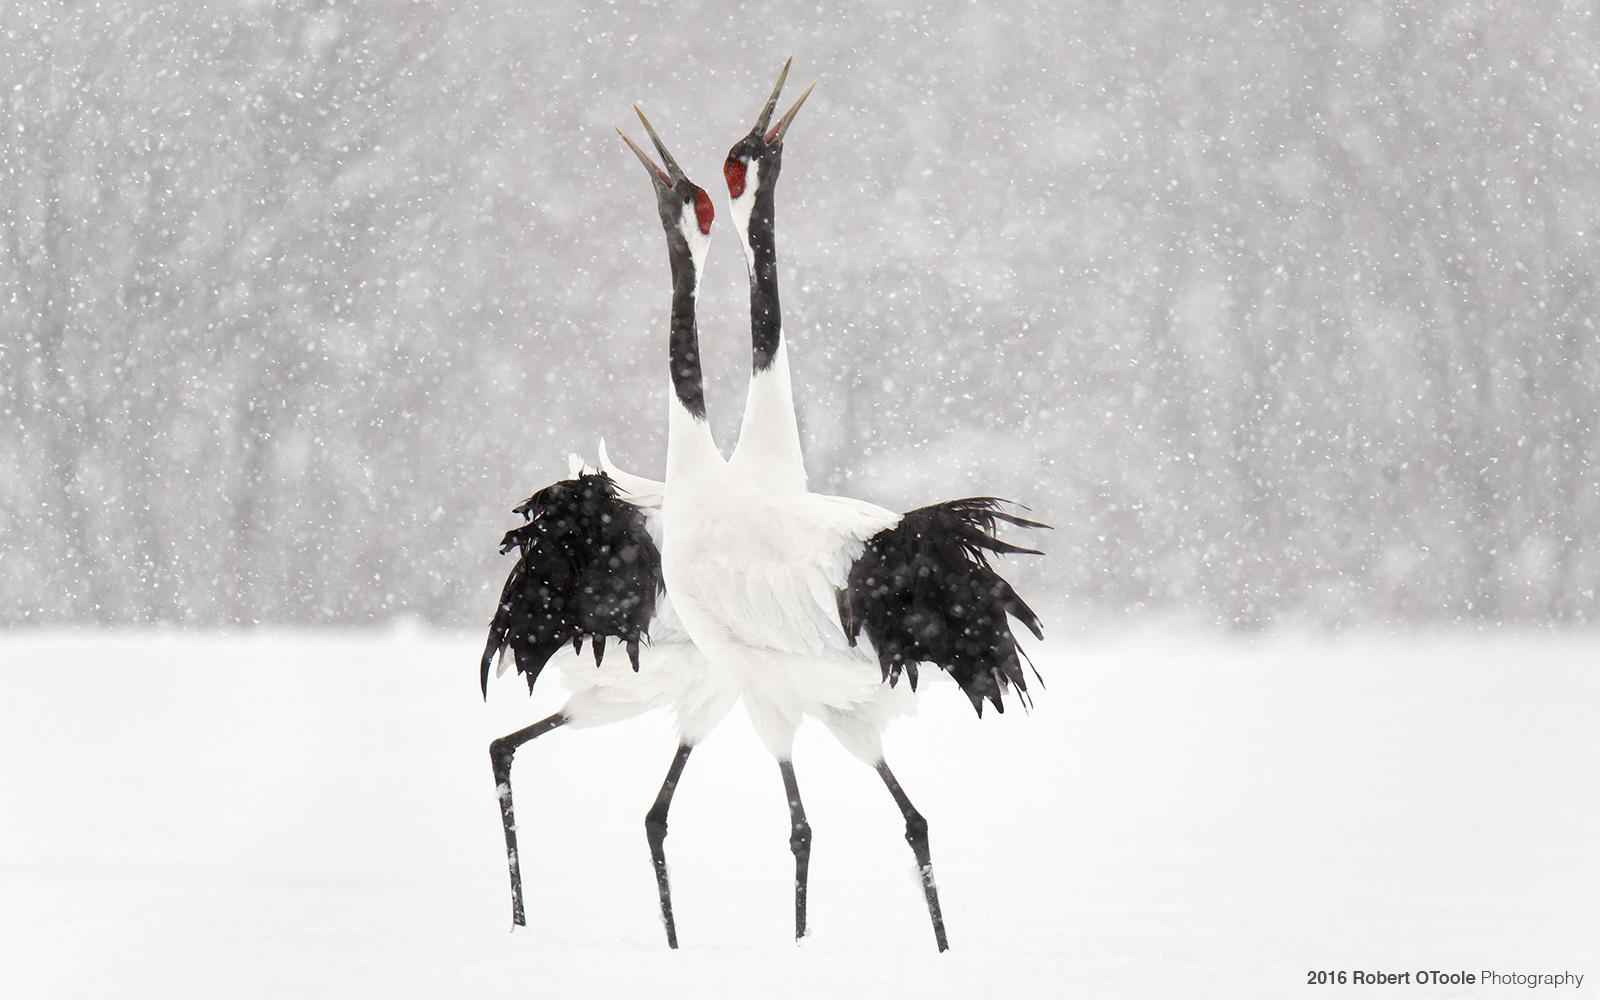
(743,207)
(699,243)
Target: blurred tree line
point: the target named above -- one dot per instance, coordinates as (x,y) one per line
(1275,312)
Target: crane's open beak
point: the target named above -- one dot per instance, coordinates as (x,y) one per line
(667,178)
(775,136)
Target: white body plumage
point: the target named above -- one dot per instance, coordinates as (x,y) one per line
(755,577)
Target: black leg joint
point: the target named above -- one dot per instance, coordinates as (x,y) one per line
(916,829)
(655,826)
(500,753)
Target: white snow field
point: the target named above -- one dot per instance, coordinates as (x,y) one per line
(301,814)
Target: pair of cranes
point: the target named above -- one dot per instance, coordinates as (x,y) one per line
(732,582)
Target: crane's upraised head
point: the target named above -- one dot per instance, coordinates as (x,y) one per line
(763,147)
(681,202)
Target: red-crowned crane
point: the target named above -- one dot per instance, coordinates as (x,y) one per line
(776,584)
(588,568)
(773,586)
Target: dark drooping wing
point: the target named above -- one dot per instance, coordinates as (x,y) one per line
(587,569)
(925,593)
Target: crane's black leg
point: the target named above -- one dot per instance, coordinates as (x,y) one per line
(800,844)
(500,753)
(655,828)
(917,837)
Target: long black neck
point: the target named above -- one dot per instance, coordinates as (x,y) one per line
(687,380)
(766,324)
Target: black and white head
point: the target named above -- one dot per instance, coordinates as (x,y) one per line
(686,210)
(751,169)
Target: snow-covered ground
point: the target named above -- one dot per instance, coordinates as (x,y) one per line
(311,815)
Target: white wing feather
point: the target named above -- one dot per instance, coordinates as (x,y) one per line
(641,492)
(766,569)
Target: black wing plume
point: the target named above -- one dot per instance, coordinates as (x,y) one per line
(587,569)
(925,593)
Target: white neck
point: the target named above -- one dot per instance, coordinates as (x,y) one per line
(742,207)
(692,455)
(768,452)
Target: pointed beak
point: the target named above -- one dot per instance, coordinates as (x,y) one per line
(663,178)
(657,175)
(775,136)
(772,102)
(674,174)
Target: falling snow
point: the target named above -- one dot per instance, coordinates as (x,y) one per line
(1283,314)
(1278,314)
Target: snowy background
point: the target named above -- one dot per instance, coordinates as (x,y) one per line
(1283,316)
(1276,313)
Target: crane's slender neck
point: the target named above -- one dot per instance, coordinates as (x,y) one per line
(688,382)
(690,447)
(766,321)
(768,451)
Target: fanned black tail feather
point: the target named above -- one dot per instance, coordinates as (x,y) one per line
(587,569)
(925,593)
